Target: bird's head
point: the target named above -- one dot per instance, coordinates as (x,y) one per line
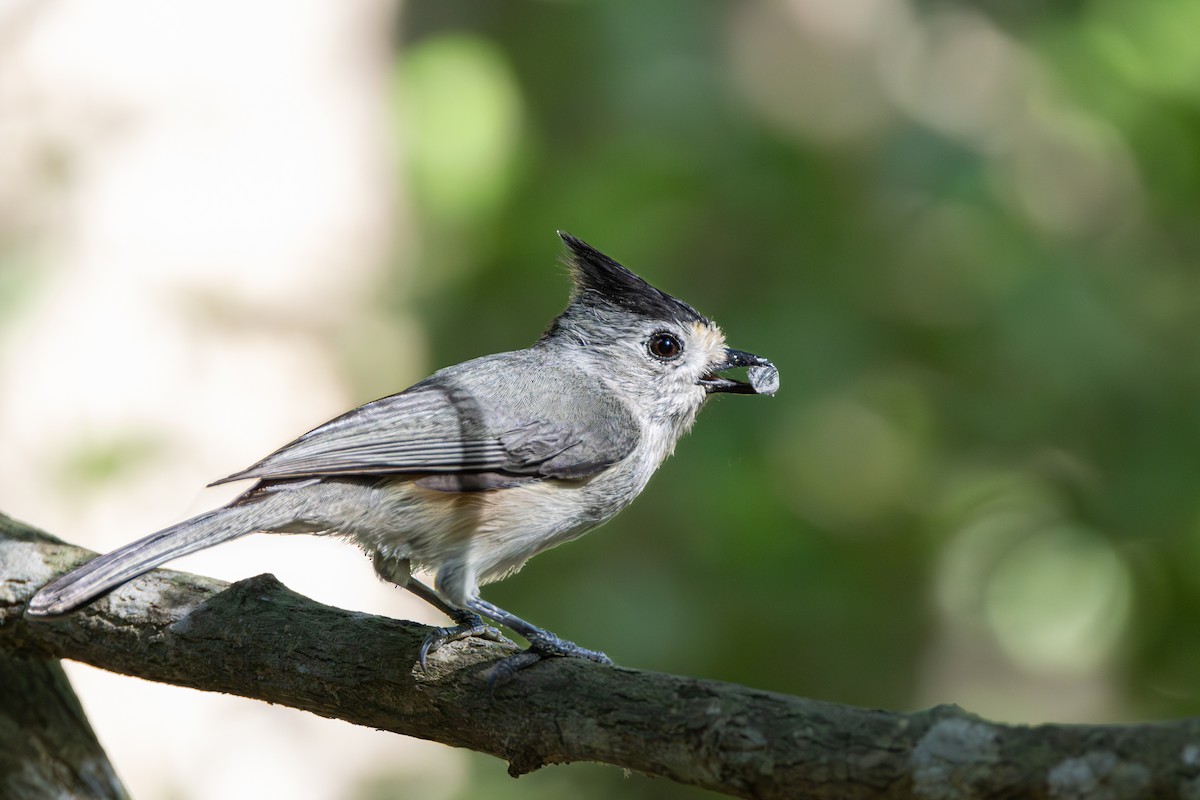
(654,350)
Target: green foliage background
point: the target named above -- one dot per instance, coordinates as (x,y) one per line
(966,234)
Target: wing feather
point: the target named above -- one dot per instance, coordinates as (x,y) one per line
(419,430)
(442,425)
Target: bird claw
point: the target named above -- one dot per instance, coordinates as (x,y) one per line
(468,627)
(550,645)
(544,646)
(506,668)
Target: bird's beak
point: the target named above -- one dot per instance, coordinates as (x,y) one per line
(764,378)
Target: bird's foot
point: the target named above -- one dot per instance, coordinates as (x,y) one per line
(547,644)
(541,645)
(469,626)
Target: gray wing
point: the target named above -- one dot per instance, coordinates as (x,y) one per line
(489,415)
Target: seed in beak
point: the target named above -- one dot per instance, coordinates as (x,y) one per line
(764,378)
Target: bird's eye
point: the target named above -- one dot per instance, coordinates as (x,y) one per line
(665,346)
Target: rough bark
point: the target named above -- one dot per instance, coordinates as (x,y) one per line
(47,747)
(257,639)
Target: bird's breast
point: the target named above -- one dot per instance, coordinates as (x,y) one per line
(525,520)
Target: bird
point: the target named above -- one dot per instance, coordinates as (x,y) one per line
(474,470)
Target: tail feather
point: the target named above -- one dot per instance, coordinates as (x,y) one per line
(126,563)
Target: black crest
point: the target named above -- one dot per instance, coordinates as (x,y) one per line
(599,279)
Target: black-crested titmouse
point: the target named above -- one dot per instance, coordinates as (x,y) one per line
(483,465)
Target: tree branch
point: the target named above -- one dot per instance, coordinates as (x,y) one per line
(47,747)
(256,638)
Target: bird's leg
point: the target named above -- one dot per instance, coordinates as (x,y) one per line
(542,643)
(398,571)
(469,623)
